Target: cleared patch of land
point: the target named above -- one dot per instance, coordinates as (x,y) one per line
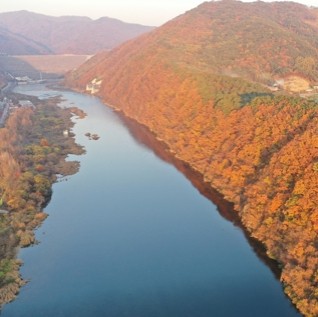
(57,64)
(296,84)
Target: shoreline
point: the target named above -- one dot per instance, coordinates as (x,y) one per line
(225,207)
(19,225)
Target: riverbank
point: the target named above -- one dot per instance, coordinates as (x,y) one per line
(225,207)
(33,152)
(213,183)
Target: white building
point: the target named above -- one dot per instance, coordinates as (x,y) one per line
(94,86)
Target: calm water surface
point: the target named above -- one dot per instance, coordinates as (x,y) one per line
(130,236)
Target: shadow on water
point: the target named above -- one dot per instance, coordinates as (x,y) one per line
(146,138)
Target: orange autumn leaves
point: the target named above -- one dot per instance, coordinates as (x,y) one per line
(263,157)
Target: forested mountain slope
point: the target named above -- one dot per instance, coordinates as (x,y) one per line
(70,34)
(201,84)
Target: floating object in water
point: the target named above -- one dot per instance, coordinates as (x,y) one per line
(93,136)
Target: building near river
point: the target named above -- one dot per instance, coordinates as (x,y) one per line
(94,86)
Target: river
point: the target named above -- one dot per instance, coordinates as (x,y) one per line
(130,236)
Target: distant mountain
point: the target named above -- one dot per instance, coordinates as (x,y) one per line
(70,34)
(18,45)
(204,84)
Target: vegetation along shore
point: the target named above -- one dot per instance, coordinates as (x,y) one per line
(33,151)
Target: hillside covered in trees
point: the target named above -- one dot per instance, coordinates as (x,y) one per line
(202,84)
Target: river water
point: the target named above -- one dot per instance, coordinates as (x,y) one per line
(130,236)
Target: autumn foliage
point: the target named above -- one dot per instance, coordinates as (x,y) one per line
(32,153)
(198,84)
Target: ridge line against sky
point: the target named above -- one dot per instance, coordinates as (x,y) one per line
(147,12)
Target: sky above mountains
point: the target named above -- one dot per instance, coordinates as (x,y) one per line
(148,12)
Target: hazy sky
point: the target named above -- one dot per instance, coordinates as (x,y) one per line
(149,12)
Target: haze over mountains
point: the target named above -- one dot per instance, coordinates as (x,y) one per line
(212,84)
(24,32)
(11,43)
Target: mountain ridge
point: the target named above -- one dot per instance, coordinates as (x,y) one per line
(11,43)
(70,34)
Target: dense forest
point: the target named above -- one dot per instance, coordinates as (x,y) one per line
(32,153)
(202,83)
